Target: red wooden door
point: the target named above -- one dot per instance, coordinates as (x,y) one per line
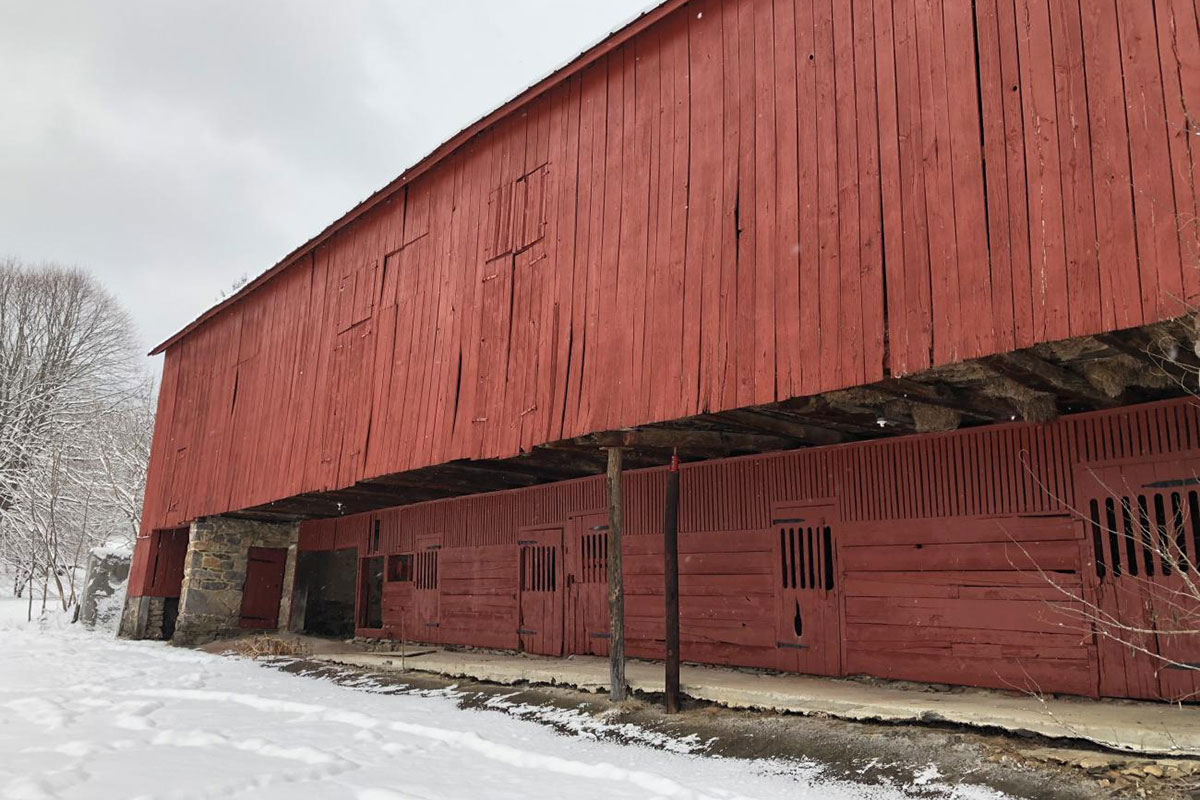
(1144,525)
(425,614)
(540,626)
(263,589)
(808,598)
(587,622)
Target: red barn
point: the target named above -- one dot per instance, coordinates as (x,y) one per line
(903,281)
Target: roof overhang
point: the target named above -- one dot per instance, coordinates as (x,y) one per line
(1037,384)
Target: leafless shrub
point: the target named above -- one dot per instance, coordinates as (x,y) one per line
(268,646)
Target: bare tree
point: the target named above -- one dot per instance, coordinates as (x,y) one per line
(75,419)
(1146,545)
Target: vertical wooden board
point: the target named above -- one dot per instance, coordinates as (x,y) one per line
(1043,172)
(631,277)
(300,314)
(847,339)
(489,301)
(1074,136)
(829,325)
(870,243)
(596,115)
(648,279)
(421,362)
(401,398)
(320,344)
(522,409)
(434,391)
(1179,54)
(537,427)
(1000,206)
(918,319)
(766,250)
(705,214)
(785,241)
(495,279)
(276,406)
(1155,211)
(653,352)
(593,96)
(609,354)
(582,301)
(725,364)
(809,255)
(529,279)
(939,184)
(500,270)
(745,203)
(375,461)
(970,216)
(465,427)
(445,388)
(680,318)
(210,480)
(561,230)
(1014,161)
(891,206)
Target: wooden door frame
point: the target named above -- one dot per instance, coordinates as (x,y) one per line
(782,510)
(560,576)
(571,600)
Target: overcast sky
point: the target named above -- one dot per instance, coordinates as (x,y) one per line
(173,147)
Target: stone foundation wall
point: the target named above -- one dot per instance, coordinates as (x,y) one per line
(142,618)
(214,572)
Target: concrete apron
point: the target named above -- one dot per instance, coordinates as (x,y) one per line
(1125,726)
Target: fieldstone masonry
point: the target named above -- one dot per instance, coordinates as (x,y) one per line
(215,570)
(143,618)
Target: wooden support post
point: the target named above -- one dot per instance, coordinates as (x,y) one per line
(616,579)
(671,585)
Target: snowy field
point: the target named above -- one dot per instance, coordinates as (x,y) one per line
(86,716)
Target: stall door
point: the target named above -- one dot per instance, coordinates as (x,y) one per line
(540,628)
(587,585)
(426,592)
(263,589)
(808,601)
(1144,524)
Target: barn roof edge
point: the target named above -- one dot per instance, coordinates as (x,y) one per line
(611,41)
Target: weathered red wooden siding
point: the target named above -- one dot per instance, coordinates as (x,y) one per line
(944,547)
(747,201)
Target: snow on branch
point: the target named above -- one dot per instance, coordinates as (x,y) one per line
(76,416)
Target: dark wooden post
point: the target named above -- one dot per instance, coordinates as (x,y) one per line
(671,585)
(616,580)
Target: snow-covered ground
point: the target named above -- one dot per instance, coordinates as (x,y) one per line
(86,716)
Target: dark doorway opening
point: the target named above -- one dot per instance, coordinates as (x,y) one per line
(324,600)
(170,612)
(372,593)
